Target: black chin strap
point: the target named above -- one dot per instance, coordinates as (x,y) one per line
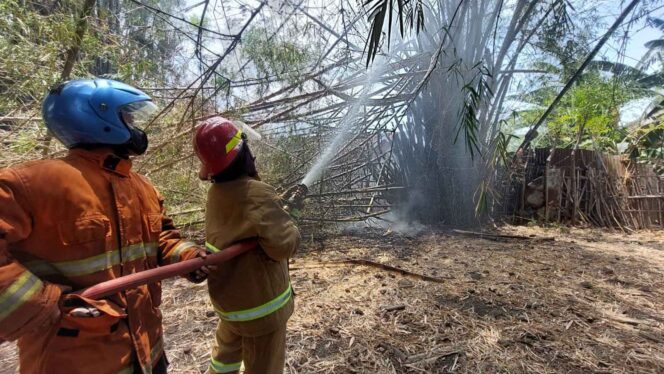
(111,162)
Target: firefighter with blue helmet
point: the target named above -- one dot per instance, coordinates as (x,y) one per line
(89,113)
(76,221)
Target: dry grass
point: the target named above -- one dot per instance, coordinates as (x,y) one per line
(589,302)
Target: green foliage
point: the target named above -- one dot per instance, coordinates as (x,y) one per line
(566,45)
(646,142)
(278,156)
(594,104)
(474,93)
(34,38)
(31,48)
(141,46)
(283,59)
(655,46)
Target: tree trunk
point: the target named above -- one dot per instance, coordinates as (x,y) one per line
(72,56)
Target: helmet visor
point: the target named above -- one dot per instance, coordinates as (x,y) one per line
(138,114)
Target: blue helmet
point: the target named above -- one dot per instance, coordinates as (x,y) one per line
(98,112)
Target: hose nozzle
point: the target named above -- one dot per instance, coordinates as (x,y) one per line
(294,197)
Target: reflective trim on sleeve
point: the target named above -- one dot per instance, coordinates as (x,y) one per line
(259,311)
(177,252)
(18,293)
(233,142)
(212,248)
(220,367)
(94,264)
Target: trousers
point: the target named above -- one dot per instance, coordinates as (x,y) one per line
(263,354)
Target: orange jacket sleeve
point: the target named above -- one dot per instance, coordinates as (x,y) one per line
(172,248)
(26,302)
(277,233)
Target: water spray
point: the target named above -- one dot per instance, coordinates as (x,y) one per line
(344,129)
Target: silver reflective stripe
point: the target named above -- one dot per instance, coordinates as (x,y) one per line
(18,293)
(259,311)
(177,252)
(220,367)
(93,264)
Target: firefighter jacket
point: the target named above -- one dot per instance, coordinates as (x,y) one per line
(251,292)
(79,221)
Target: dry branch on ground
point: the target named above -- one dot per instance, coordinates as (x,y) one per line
(589,302)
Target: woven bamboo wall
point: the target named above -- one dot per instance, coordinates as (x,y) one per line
(584,187)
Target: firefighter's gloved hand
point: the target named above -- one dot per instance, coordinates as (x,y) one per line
(82,312)
(85,312)
(294,213)
(201,274)
(55,314)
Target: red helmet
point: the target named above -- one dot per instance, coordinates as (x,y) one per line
(217,143)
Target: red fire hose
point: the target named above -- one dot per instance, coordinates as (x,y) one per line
(154,275)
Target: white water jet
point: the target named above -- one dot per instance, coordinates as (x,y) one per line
(344,129)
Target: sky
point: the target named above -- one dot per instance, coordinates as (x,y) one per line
(606,11)
(635,49)
(640,32)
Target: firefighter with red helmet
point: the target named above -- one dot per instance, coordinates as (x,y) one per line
(251,294)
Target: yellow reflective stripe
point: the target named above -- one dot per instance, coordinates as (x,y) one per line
(233,142)
(18,293)
(88,265)
(156,351)
(177,252)
(155,354)
(41,268)
(94,264)
(259,311)
(212,248)
(220,367)
(140,250)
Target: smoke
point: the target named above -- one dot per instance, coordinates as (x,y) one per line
(391,223)
(453,108)
(432,154)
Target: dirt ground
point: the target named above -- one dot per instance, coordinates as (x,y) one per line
(589,301)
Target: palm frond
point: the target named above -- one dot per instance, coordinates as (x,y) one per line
(653,44)
(475,92)
(638,76)
(410,14)
(656,22)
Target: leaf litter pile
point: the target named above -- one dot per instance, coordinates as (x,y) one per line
(532,301)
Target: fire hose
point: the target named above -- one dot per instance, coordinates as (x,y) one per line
(168,271)
(112,286)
